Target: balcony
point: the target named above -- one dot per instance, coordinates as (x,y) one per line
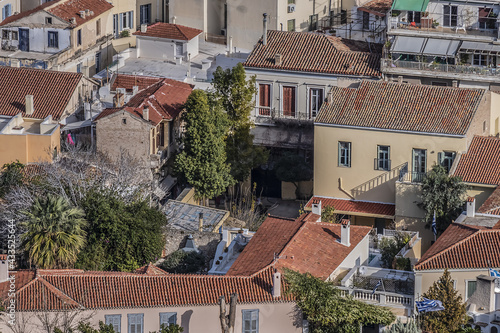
(409,176)
(268,115)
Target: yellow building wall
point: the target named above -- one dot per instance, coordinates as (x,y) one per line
(28,148)
(480,193)
(13,147)
(361,180)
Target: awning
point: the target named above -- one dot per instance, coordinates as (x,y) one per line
(480,47)
(410,5)
(408,45)
(441,47)
(77,125)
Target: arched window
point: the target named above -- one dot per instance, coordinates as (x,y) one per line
(494,330)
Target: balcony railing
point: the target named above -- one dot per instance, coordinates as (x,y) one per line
(264,112)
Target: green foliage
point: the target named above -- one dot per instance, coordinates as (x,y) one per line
(12,175)
(203,160)
(172,328)
(183,262)
(86,328)
(409,327)
(389,248)
(293,168)
(442,194)
(120,236)
(454,316)
(125,33)
(54,233)
(327,311)
(328,215)
(235,94)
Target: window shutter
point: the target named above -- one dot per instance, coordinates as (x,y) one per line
(4,9)
(131,19)
(339,154)
(121,22)
(172,320)
(440,158)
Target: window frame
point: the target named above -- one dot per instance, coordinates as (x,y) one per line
(446,155)
(294,99)
(145,9)
(135,316)
(249,312)
(170,315)
(449,22)
(264,107)
(348,154)
(386,160)
(54,41)
(79,37)
(98,27)
(6,11)
(320,98)
(467,288)
(119,316)
(291,23)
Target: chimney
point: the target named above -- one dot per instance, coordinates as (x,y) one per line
(135,90)
(454,84)
(277,59)
(264,34)
(82,13)
(4,268)
(145,113)
(72,20)
(173,19)
(400,79)
(345,233)
(144,28)
(87,12)
(471,207)
(316,208)
(200,222)
(30,107)
(118,100)
(86,111)
(276,284)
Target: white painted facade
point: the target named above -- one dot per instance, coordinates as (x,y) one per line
(166,49)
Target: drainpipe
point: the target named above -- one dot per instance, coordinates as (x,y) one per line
(342,189)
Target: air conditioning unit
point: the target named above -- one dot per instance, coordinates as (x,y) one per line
(291,8)
(223,32)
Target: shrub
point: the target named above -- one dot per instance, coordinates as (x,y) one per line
(183,262)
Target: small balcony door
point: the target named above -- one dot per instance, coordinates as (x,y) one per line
(419,164)
(24,40)
(289,101)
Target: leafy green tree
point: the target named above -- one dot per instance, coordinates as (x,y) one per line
(442,194)
(235,94)
(328,215)
(172,328)
(203,160)
(86,328)
(54,233)
(12,175)
(454,315)
(293,168)
(183,262)
(121,236)
(390,247)
(327,311)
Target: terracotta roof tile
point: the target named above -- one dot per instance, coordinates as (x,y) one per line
(463,246)
(101,290)
(481,163)
(150,269)
(51,90)
(129,81)
(492,204)
(377,7)
(402,107)
(301,245)
(318,53)
(71,8)
(170,31)
(352,206)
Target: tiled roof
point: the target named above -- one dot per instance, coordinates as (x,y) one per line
(402,107)
(318,53)
(302,245)
(463,246)
(51,90)
(492,204)
(65,10)
(377,7)
(352,207)
(481,163)
(170,31)
(129,81)
(165,100)
(150,269)
(101,290)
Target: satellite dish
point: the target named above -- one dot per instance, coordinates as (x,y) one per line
(104,92)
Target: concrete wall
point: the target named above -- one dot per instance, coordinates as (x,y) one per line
(480,193)
(206,242)
(361,179)
(162,48)
(361,251)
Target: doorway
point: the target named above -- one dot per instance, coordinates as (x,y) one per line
(24,40)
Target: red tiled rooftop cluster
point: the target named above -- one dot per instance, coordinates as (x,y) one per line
(481,163)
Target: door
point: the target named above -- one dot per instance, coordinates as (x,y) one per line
(24,40)
(419,164)
(97,62)
(289,101)
(178,50)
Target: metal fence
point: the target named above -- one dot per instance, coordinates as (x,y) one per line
(400,284)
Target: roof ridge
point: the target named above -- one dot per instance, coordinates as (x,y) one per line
(56,291)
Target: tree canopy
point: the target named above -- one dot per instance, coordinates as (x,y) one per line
(12,175)
(329,312)
(235,94)
(442,194)
(293,168)
(454,315)
(203,160)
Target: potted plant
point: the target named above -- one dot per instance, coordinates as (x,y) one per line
(435,23)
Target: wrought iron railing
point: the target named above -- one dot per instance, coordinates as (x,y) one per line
(400,284)
(391,64)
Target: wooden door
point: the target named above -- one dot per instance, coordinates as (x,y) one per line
(289,101)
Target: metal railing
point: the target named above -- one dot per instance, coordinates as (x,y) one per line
(380,298)
(273,113)
(390,64)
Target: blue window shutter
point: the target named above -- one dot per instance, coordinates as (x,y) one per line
(4,9)
(8,10)
(121,22)
(131,19)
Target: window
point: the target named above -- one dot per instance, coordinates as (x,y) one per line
(135,323)
(5,34)
(486,18)
(494,329)
(313,22)
(480,59)
(414,17)
(264,99)
(419,164)
(124,121)
(168,318)
(6,11)
(250,321)
(291,25)
(291,2)
(445,159)
(115,24)
(450,17)
(115,320)
(97,61)
(13,35)
(366,21)
(383,158)
(439,84)
(345,154)
(79,68)
(98,27)
(315,101)
(289,101)
(145,11)
(48,20)
(53,39)
(79,37)
(471,288)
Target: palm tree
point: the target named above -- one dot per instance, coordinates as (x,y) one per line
(54,233)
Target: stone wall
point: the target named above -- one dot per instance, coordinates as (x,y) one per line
(205,241)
